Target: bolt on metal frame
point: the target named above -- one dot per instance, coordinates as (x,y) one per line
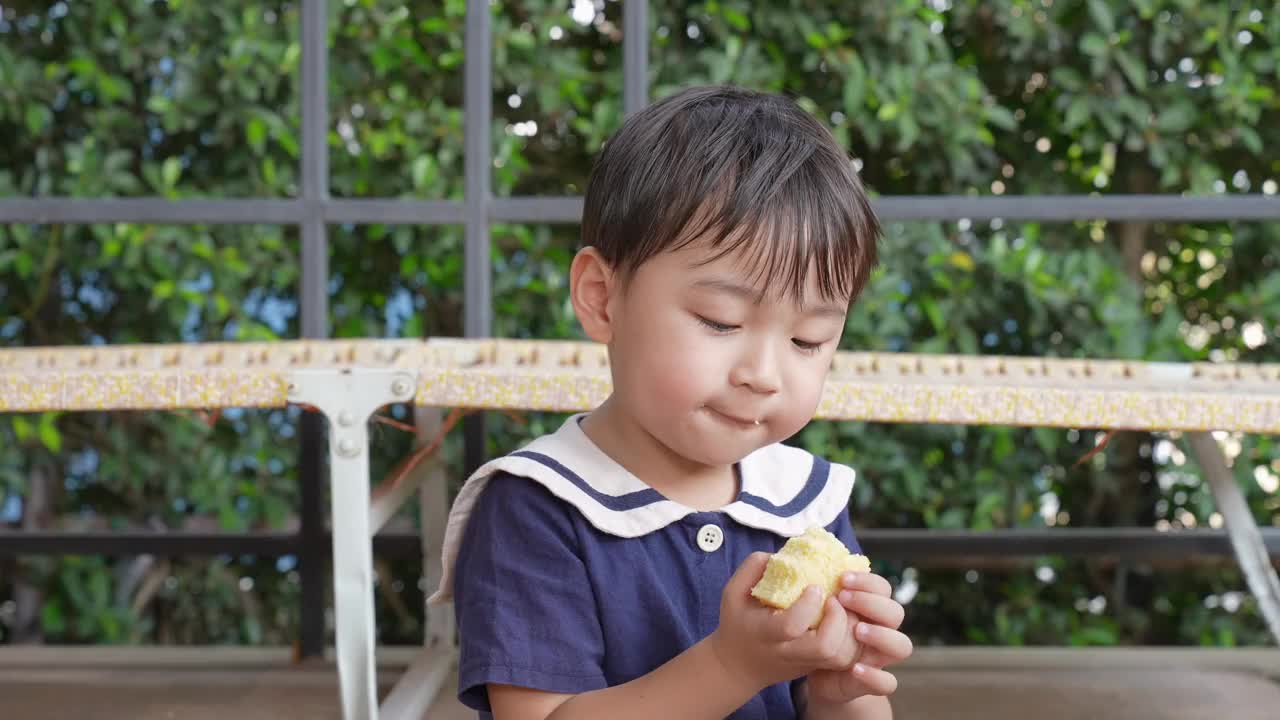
(314,210)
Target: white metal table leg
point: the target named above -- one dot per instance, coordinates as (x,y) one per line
(1246,539)
(347,398)
(417,689)
(433,507)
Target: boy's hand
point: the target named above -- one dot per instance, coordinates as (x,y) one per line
(764,646)
(874,617)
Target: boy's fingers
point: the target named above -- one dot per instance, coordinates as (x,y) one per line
(872,657)
(748,573)
(794,621)
(833,636)
(876,681)
(877,609)
(866,582)
(891,645)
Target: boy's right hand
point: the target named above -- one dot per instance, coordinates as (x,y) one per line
(764,646)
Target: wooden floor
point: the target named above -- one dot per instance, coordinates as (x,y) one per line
(959,684)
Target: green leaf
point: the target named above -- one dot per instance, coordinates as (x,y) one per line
(99,589)
(413,327)
(450,59)
(49,435)
(915,480)
(159,104)
(521,39)
(22,428)
(114,89)
(1093,44)
(1000,116)
(1047,438)
(1106,115)
(1068,78)
(737,20)
(888,112)
(171,171)
(1077,115)
(908,131)
(1175,117)
(52,620)
(855,85)
(962,260)
(934,312)
(38,118)
(163,289)
(1135,109)
(256,133)
(423,171)
(1093,635)
(1146,8)
(1101,13)
(1133,71)
(1250,138)
(292,53)
(983,514)
(951,519)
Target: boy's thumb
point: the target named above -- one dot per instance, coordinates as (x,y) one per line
(748,573)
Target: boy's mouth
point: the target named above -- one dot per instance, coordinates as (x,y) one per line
(745,423)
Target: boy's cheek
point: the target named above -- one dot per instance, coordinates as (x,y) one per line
(672,375)
(792,421)
(803,396)
(684,381)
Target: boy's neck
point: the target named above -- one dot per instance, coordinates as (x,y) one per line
(701,487)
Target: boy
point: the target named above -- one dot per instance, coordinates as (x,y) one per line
(604,570)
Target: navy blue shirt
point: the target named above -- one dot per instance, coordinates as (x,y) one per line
(569,574)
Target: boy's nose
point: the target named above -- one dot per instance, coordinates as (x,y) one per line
(757,370)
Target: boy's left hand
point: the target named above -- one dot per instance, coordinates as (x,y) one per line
(875,617)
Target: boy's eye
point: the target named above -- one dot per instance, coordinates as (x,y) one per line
(717,326)
(805,345)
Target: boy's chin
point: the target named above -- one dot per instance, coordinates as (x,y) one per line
(719,453)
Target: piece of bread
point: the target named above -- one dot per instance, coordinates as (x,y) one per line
(815,558)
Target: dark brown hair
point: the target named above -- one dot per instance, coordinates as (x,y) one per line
(738,168)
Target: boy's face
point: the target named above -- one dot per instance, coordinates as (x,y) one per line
(715,364)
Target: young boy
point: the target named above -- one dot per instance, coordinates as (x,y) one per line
(604,570)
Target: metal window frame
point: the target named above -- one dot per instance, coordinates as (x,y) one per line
(906,544)
(314,210)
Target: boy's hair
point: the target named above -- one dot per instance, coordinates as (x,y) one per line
(735,167)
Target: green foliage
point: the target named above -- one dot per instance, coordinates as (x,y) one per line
(1013,97)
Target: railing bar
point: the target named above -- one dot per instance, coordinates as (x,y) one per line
(1127,542)
(478,162)
(1044,208)
(313,299)
(635,55)
(395,212)
(236,211)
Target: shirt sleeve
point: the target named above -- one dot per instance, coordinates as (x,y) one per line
(527,615)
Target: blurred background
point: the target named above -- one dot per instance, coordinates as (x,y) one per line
(181,99)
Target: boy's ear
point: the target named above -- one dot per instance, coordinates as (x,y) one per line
(591,283)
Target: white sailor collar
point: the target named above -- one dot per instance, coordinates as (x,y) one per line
(784,490)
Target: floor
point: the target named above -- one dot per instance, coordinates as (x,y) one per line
(1070,685)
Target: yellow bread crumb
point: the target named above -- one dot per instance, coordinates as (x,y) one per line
(815,558)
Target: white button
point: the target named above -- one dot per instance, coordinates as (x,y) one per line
(710,538)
